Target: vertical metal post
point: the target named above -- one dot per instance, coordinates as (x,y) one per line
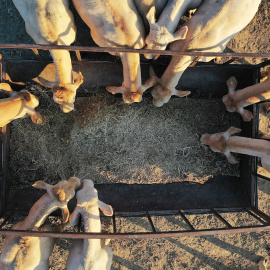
(5,220)
(227,224)
(256,217)
(114,223)
(151,222)
(37,54)
(261,214)
(78,54)
(186,220)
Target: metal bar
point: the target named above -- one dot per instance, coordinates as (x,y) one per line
(261,214)
(3,74)
(227,224)
(195,61)
(1,68)
(35,51)
(78,54)
(264,101)
(151,222)
(126,50)
(220,210)
(229,62)
(5,221)
(262,176)
(256,217)
(4,163)
(80,223)
(263,64)
(114,223)
(74,235)
(186,220)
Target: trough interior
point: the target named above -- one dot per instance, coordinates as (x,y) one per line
(154,187)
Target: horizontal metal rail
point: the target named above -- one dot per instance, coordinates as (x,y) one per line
(262,176)
(130,50)
(255,213)
(85,235)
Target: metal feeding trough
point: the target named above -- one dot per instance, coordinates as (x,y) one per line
(221,194)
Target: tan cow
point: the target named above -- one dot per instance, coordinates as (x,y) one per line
(213,25)
(51,22)
(117,23)
(235,101)
(32,253)
(18,105)
(224,143)
(263,263)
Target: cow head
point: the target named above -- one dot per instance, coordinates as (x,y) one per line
(60,193)
(64,95)
(87,198)
(131,95)
(31,102)
(28,104)
(159,36)
(162,94)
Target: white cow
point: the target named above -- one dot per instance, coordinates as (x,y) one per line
(32,253)
(18,105)
(89,254)
(117,23)
(51,22)
(213,25)
(224,143)
(162,32)
(144,6)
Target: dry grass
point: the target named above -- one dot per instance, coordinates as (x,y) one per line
(111,142)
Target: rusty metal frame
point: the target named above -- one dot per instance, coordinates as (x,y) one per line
(253,212)
(256,214)
(129,50)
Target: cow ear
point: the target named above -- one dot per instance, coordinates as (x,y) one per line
(180,93)
(46,83)
(115,89)
(232,131)
(5,86)
(105,208)
(74,217)
(40,184)
(181,33)
(38,118)
(232,83)
(26,95)
(151,16)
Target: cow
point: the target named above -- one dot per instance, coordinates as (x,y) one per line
(18,105)
(117,23)
(162,31)
(50,22)
(213,25)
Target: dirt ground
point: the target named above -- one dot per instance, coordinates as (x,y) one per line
(125,144)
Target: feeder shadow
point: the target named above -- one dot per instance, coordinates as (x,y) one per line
(128,264)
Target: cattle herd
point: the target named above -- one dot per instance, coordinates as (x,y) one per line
(150,24)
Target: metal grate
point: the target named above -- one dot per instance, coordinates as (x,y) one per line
(252,211)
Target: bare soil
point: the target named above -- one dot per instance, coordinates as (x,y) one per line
(111,142)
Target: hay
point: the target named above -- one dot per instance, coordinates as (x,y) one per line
(112,142)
